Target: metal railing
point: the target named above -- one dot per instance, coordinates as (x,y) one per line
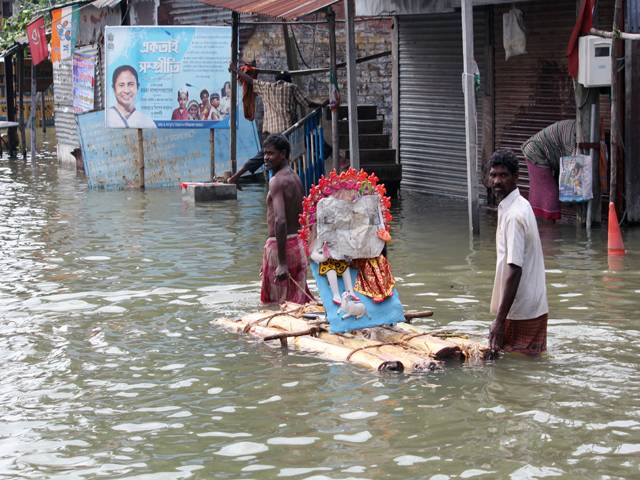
(307,148)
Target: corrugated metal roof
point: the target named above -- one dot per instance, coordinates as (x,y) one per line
(287,9)
(105,3)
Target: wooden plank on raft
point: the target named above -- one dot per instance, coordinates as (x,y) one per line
(403,347)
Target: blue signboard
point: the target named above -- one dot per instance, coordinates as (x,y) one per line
(167,77)
(170,156)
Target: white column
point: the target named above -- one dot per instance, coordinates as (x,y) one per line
(470,117)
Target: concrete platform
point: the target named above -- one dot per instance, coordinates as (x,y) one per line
(208,191)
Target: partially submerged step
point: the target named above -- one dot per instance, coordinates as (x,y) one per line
(208,191)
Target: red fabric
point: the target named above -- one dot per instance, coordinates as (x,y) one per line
(583,24)
(526,336)
(288,290)
(37,41)
(180,115)
(544,194)
(248,97)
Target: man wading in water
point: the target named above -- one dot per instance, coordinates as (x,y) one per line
(519,298)
(284,263)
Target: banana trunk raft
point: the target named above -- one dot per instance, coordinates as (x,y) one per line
(399,348)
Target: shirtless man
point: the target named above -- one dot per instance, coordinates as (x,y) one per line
(284,263)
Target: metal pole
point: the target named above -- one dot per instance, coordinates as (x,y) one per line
(233,116)
(335,134)
(9,73)
(44,113)
(212,153)
(34,106)
(20,62)
(594,162)
(470,117)
(354,148)
(140,159)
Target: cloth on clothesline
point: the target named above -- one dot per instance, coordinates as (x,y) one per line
(281,102)
(248,95)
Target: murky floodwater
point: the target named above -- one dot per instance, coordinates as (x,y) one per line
(111,368)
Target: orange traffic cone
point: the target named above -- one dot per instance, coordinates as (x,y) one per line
(615,244)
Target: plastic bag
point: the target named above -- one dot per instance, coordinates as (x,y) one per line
(575,178)
(514,38)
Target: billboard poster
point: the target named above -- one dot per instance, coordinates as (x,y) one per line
(84,66)
(167,77)
(64,29)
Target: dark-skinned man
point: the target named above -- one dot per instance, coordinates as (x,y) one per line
(284,263)
(519,298)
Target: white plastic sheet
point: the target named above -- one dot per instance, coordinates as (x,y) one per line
(350,229)
(514,38)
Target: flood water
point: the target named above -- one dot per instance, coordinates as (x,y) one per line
(112,369)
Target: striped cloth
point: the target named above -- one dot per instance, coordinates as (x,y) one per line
(547,146)
(293,289)
(526,336)
(280,100)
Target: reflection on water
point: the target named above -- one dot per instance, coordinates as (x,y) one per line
(111,367)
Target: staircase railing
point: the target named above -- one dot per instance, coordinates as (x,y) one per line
(307,148)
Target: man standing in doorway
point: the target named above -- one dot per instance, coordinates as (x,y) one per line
(519,298)
(281,100)
(284,263)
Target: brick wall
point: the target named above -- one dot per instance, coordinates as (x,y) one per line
(266,46)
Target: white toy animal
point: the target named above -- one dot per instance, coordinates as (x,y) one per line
(351,308)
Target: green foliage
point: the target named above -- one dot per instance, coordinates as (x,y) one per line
(15,27)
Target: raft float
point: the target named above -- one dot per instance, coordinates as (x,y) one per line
(402,347)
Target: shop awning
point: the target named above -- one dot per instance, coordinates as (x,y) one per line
(286,9)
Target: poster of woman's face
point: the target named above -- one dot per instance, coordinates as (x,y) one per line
(160,71)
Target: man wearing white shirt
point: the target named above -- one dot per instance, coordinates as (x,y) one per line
(519,298)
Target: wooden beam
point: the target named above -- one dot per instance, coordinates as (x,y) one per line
(140,159)
(32,117)
(44,112)
(233,115)
(20,63)
(632,127)
(212,153)
(618,35)
(470,117)
(9,76)
(616,133)
(352,85)
(311,71)
(395,88)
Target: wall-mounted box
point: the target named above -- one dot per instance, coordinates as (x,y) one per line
(595,61)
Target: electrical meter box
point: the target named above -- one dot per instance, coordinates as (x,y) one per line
(595,61)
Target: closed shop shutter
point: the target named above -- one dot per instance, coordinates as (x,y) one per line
(431,115)
(64,119)
(533,90)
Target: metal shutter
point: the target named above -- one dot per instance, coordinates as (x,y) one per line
(431,116)
(534,90)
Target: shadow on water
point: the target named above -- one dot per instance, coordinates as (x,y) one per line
(111,367)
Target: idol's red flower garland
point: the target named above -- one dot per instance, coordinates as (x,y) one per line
(363,183)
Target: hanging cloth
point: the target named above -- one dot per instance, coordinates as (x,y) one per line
(248,95)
